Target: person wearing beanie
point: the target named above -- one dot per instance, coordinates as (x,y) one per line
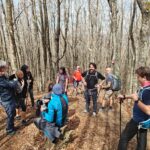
(56,114)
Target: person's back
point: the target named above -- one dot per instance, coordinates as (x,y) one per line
(7,89)
(56,105)
(77,74)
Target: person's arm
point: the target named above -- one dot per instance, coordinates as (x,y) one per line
(49,116)
(100,76)
(83,80)
(144,105)
(107,86)
(144,108)
(57,79)
(66,83)
(12,84)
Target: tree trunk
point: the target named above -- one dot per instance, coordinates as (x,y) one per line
(12,45)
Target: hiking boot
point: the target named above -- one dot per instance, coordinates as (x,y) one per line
(94,114)
(11,132)
(24,122)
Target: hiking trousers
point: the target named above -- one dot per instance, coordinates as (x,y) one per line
(129,132)
(88,94)
(10,109)
(31,96)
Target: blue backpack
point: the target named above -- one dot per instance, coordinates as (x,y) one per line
(144,124)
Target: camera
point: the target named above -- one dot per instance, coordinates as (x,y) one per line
(41,103)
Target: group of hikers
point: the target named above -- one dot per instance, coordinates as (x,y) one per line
(53,107)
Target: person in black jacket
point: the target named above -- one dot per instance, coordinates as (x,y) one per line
(30,81)
(23,94)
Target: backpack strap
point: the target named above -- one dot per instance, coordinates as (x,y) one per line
(142,90)
(64,109)
(96,75)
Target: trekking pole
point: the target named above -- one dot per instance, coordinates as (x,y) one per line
(121,100)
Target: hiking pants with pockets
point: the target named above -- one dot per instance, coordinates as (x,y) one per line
(88,96)
(129,132)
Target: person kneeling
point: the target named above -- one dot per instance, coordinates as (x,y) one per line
(55,116)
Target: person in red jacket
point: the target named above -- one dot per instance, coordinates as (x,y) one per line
(77,78)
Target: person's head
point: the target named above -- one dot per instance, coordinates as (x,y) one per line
(3,67)
(143,74)
(19,74)
(92,67)
(57,89)
(78,68)
(50,87)
(108,70)
(62,70)
(24,69)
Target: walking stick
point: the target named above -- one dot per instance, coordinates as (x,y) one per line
(121,101)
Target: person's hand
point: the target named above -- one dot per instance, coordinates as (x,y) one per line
(29,81)
(22,82)
(46,100)
(134,96)
(84,83)
(120,96)
(42,109)
(65,89)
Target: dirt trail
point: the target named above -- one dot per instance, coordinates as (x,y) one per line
(83,132)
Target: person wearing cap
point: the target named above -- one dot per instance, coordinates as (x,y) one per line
(55,116)
(7,96)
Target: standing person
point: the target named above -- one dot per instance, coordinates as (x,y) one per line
(140,112)
(108,89)
(23,94)
(7,97)
(63,79)
(90,80)
(30,81)
(77,78)
(19,76)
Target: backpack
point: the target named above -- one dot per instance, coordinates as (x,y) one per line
(144,124)
(95,75)
(116,85)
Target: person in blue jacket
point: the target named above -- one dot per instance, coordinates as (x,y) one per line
(7,96)
(56,114)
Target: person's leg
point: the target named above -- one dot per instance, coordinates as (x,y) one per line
(104,101)
(31,97)
(87,99)
(11,112)
(110,96)
(142,139)
(23,107)
(129,132)
(94,98)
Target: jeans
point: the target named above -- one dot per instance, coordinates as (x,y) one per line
(88,96)
(129,132)
(10,109)
(31,96)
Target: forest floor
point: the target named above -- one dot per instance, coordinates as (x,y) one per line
(83,131)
